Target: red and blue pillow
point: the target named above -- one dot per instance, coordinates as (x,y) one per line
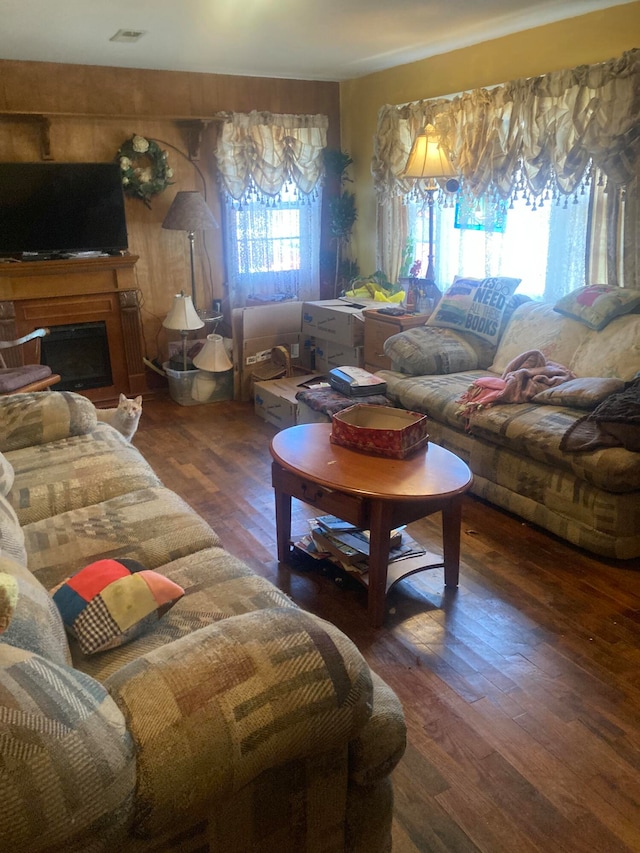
(110,602)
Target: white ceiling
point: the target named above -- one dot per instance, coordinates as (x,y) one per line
(300,39)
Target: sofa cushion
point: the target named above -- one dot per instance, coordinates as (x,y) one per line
(584,393)
(69,771)
(613,352)
(36,624)
(596,305)
(527,429)
(75,472)
(535,325)
(475,306)
(110,602)
(217,586)
(37,418)
(7,475)
(536,431)
(435,396)
(153,526)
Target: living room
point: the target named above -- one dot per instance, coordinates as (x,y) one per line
(519,691)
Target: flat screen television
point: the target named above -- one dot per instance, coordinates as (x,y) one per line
(51,209)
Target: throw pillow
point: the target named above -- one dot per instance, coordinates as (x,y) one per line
(580,393)
(110,602)
(598,304)
(475,305)
(8,599)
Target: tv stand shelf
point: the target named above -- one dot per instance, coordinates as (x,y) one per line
(79,290)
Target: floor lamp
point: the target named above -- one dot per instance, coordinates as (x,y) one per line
(189,212)
(430,163)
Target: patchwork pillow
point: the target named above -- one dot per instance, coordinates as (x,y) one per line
(110,602)
(584,393)
(475,305)
(597,304)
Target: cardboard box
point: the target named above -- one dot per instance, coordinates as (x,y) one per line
(380,430)
(334,320)
(330,354)
(256,331)
(275,401)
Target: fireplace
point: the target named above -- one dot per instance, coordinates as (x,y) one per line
(79,352)
(92,308)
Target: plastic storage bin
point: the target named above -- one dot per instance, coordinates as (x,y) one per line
(195,387)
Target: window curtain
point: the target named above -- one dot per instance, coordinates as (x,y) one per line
(270,168)
(539,137)
(258,153)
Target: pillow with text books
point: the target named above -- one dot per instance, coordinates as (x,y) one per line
(475,305)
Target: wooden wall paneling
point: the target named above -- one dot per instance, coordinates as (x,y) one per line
(93,109)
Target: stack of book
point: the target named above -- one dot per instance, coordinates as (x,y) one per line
(330,538)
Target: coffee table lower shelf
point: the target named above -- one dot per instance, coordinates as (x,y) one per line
(397,570)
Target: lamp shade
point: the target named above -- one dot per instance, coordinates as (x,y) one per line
(428,159)
(213,356)
(182,315)
(189,212)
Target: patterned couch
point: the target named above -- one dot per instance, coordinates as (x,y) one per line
(589,498)
(238,722)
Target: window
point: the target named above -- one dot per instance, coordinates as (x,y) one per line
(545,247)
(272,247)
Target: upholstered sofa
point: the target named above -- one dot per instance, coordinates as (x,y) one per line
(235,722)
(590,497)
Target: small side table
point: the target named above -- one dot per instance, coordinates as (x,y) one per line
(377,328)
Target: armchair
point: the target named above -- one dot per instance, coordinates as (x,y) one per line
(25,377)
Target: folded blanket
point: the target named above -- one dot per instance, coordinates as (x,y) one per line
(524,377)
(614,423)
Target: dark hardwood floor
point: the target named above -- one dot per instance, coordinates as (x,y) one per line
(521,690)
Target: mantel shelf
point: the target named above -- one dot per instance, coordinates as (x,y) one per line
(194,126)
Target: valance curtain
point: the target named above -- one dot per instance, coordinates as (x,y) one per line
(258,153)
(536,137)
(270,168)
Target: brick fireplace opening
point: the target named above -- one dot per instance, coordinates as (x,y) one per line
(79,352)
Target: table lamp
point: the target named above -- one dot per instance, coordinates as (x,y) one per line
(183,318)
(213,356)
(429,162)
(214,370)
(189,212)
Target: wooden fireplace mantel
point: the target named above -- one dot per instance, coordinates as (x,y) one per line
(66,277)
(79,290)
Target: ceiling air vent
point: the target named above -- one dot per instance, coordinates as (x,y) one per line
(128,35)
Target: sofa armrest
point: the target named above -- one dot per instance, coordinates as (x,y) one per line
(214,709)
(430,351)
(41,417)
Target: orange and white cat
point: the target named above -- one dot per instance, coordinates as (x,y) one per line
(125,417)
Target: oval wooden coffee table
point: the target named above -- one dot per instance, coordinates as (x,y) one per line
(373,492)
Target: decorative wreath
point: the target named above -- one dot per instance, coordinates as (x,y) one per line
(145,170)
